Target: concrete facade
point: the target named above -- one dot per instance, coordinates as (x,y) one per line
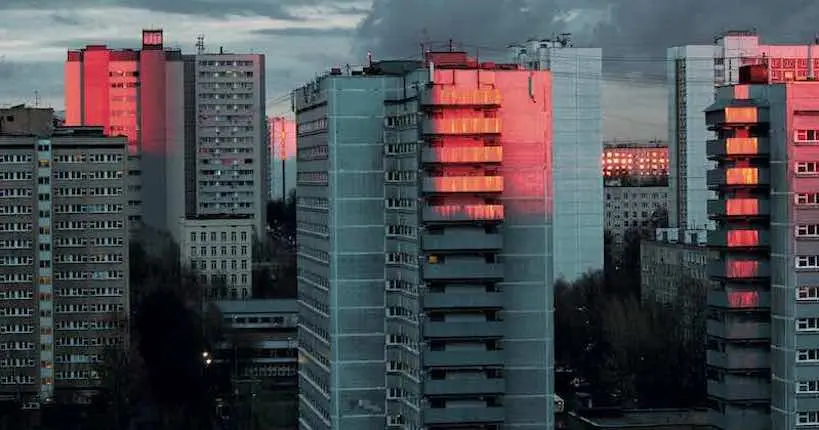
(64,253)
(386,152)
(220,250)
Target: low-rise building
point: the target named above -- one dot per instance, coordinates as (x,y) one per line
(673,259)
(219,249)
(260,345)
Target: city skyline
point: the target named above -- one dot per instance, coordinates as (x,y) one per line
(31,53)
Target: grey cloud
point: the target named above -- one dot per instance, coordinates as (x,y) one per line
(19,81)
(277,9)
(633,33)
(67,18)
(306,32)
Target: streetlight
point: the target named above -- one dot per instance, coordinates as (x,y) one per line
(206,358)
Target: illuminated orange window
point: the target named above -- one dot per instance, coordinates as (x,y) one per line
(468,125)
(741,114)
(738,238)
(743,299)
(469,155)
(742,176)
(736,207)
(432,259)
(460,184)
(467,97)
(741,145)
(742,269)
(476,212)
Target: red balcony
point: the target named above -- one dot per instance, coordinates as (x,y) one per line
(463,213)
(462,126)
(733,147)
(481,154)
(443,96)
(464,184)
(738,269)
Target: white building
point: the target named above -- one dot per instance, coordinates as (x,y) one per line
(231,136)
(220,250)
(577,150)
(693,71)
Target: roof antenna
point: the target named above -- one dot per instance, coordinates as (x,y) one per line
(451,46)
(36,98)
(200,44)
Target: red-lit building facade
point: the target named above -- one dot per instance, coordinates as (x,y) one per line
(425,192)
(282,131)
(139,94)
(762,345)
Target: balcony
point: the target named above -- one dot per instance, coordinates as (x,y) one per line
(740,389)
(740,147)
(453,155)
(458,300)
(733,330)
(442,96)
(463,184)
(463,415)
(738,360)
(462,357)
(738,177)
(739,270)
(461,126)
(747,207)
(736,299)
(739,239)
(460,386)
(463,329)
(458,213)
(461,239)
(735,115)
(462,270)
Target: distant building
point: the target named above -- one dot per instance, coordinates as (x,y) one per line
(261,346)
(231,149)
(282,157)
(220,251)
(693,72)
(138,94)
(672,261)
(635,179)
(63,255)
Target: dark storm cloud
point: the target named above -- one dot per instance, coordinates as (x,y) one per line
(633,33)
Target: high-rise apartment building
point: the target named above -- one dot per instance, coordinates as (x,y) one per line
(138,94)
(577,145)
(762,344)
(282,156)
(692,72)
(231,136)
(63,253)
(450,159)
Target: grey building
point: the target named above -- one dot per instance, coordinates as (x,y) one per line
(455,305)
(231,150)
(63,253)
(672,261)
(762,345)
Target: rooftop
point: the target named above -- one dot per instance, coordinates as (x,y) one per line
(257,306)
(643,418)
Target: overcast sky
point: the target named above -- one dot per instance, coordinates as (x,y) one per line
(302,38)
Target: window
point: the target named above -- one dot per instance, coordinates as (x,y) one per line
(807,418)
(807,355)
(807,262)
(807,324)
(193,237)
(806,198)
(807,293)
(807,136)
(807,230)
(807,386)
(807,168)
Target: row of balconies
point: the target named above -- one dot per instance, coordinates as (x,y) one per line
(739,269)
(739,238)
(739,360)
(739,207)
(468,154)
(458,212)
(463,329)
(463,184)
(462,270)
(731,329)
(461,239)
(740,389)
(738,147)
(739,177)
